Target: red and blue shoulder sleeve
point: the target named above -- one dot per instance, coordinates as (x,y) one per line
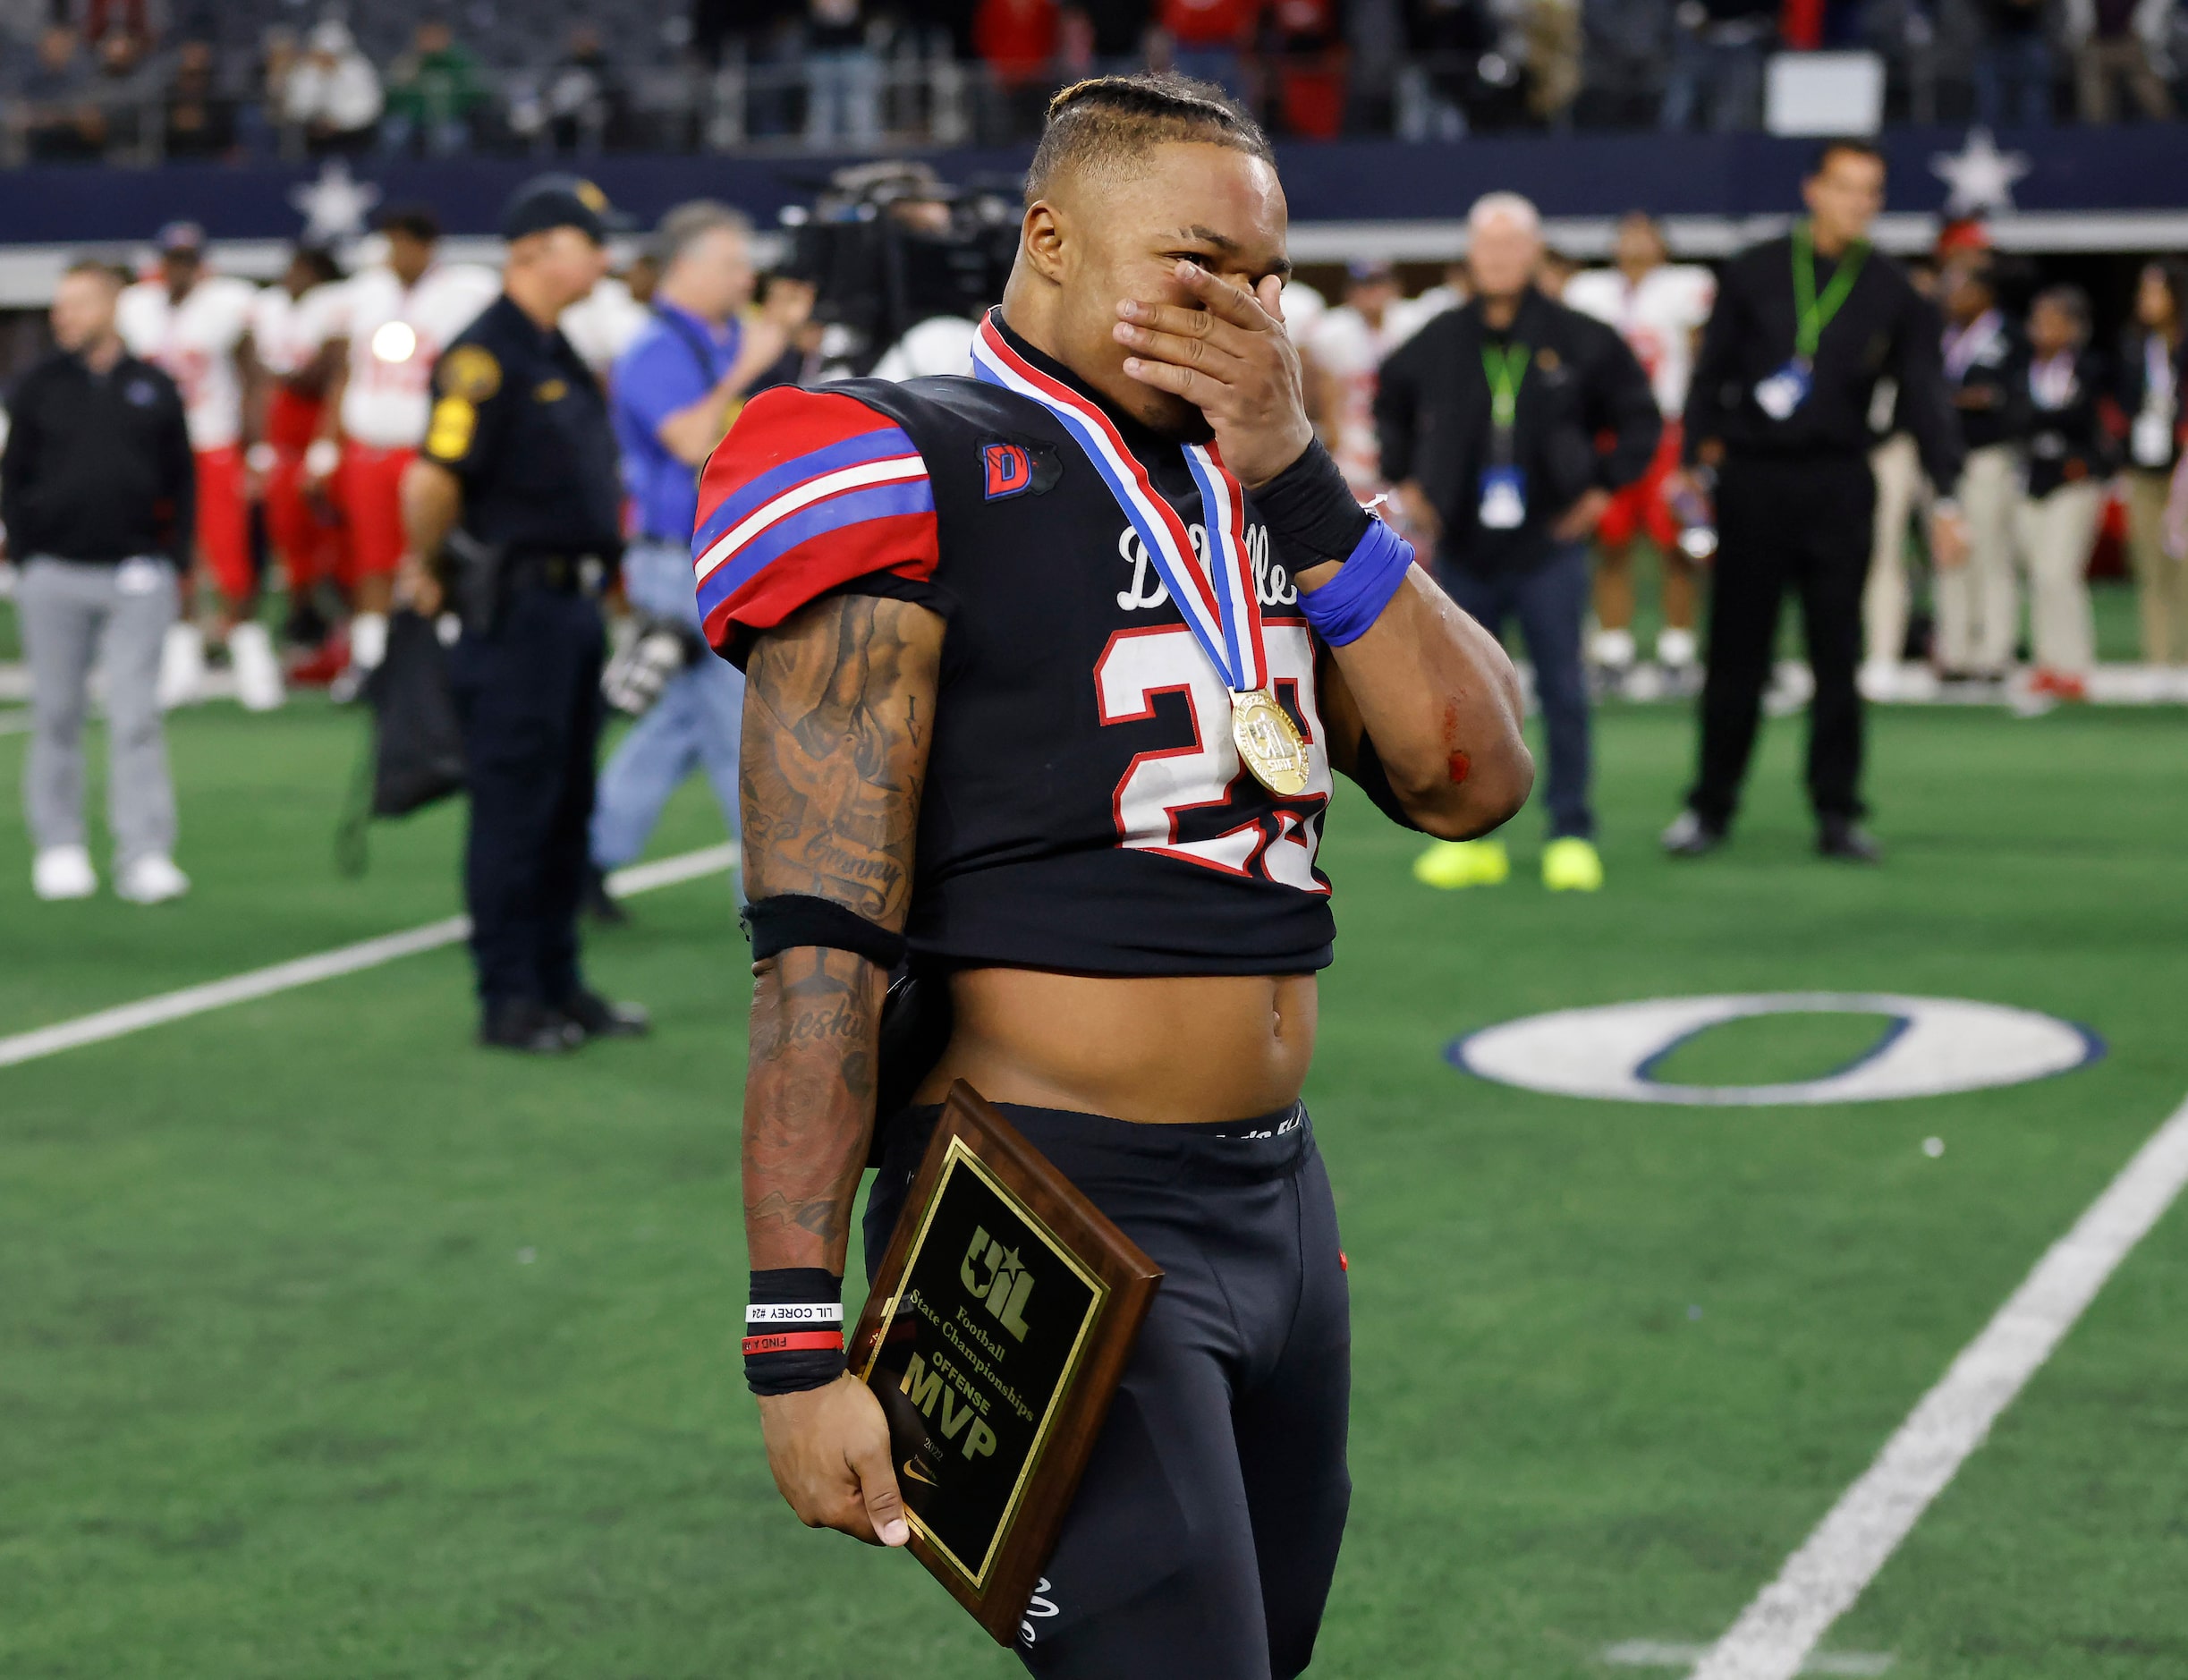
(809,490)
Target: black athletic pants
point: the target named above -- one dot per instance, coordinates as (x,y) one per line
(1802,524)
(1202,1542)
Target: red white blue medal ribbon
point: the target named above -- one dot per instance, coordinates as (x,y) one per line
(1219,601)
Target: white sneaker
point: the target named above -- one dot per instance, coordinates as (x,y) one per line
(151,879)
(1614,650)
(182,666)
(258,673)
(64,872)
(1677,648)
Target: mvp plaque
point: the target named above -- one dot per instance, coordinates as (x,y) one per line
(998,1325)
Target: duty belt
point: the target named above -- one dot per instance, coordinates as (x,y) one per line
(564,573)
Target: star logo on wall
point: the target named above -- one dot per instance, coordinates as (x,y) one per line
(334,206)
(1979,176)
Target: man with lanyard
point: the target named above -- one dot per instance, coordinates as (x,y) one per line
(1489,418)
(516,482)
(1117,801)
(674,392)
(1805,327)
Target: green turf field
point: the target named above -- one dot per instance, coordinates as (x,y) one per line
(331,1347)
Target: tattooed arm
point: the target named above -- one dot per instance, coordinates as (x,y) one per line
(838,713)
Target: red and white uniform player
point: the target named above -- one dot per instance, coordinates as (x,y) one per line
(1346,346)
(1659,309)
(198,338)
(395,334)
(291,323)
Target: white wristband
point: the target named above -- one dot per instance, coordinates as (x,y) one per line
(323,457)
(796,1312)
(261,457)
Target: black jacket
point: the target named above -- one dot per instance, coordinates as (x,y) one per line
(2130,389)
(1989,386)
(1884,328)
(2066,443)
(1582,385)
(98,466)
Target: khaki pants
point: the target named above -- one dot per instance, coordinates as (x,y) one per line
(1978,604)
(2099,65)
(2161,579)
(2057,532)
(1896,466)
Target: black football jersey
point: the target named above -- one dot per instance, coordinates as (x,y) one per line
(1085,808)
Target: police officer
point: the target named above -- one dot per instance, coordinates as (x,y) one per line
(517,482)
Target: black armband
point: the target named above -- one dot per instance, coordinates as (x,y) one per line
(1369,776)
(1310,511)
(783,921)
(793,1330)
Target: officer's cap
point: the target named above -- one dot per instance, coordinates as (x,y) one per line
(547,201)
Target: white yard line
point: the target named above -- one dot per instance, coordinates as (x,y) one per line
(1660,1653)
(1820,1581)
(282,977)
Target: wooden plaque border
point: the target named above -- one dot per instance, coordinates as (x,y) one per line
(1130,1279)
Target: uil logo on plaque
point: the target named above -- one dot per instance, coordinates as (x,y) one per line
(993,1406)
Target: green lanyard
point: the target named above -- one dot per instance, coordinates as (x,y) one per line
(1815,315)
(1507,371)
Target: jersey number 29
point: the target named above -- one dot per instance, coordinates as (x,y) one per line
(1273,838)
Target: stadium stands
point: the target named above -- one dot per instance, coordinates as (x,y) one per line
(664,75)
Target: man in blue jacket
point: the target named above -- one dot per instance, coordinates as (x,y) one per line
(674,392)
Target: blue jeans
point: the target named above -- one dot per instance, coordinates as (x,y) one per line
(843,97)
(2012,81)
(1550,600)
(448,138)
(1730,74)
(694,726)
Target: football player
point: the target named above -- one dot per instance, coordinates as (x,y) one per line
(290,322)
(196,326)
(1049,670)
(1659,309)
(1347,345)
(397,319)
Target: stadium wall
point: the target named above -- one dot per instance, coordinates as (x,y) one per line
(2120,188)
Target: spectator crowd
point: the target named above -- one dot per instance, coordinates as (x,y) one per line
(135,80)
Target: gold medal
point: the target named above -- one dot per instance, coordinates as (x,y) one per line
(1269,742)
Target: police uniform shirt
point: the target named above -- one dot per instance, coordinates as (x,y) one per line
(1084,806)
(518,417)
(1884,328)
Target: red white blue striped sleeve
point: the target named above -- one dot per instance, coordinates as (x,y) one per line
(810,489)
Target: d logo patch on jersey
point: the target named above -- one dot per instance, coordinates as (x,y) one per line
(1014,468)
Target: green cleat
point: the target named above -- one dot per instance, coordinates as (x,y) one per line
(1454,863)
(1573,865)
